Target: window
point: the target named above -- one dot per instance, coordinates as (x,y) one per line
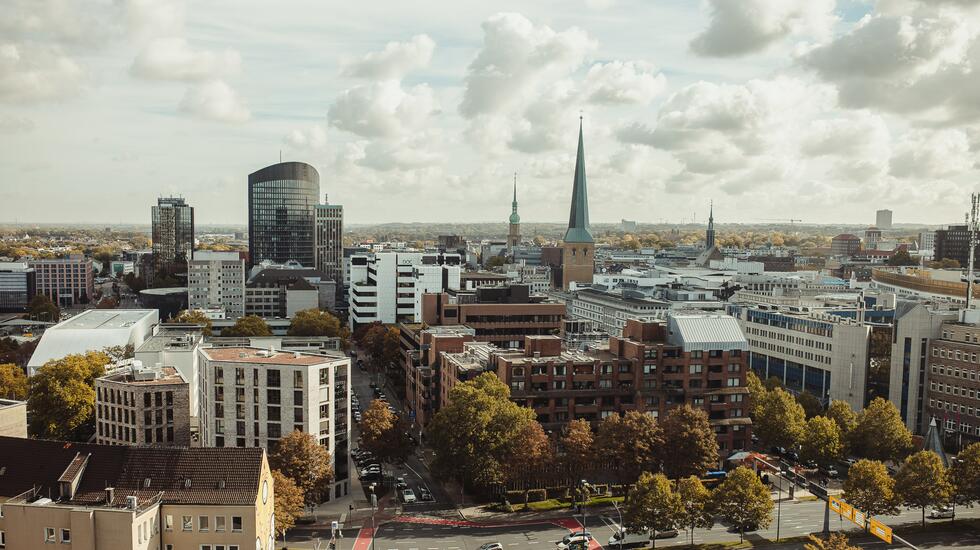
(236,523)
(560,370)
(298,379)
(186,523)
(272,397)
(205,547)
(49,534)
(695,369)
(219,524)
(168,523)
(734,382)
(325,376)
(272,378)
(202,523)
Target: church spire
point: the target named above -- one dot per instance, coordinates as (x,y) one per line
(709,238)
(578,218)
(514,217)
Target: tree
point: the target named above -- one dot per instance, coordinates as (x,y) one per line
(61,396)
(652,505)
(845,417)
(879,433)
(923,481)
(870,489)
(632,443)
(696,503)
(383,345)
(966,473)
(289,502)
(17,353)
(43,309)
(821,440)
(778,419)
(250,325)
(385,434)
(197,317)
(756,390)
(13,382)
(692,443)
(313,322)
(301,458)
(577,447)
(902,257)
(529,451)
(836,541)
(811,404)
(474,434)
(495,262)
(743,501)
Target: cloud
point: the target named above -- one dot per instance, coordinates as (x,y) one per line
(619,82)
(310,139)
(740,27)
(406,154)
(864,134)
(395,61)
(172,58)
(149,19)
(927,154)
(32,72)
(13,124)
(382,109)
(214,100)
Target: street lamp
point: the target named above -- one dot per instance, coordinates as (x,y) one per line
(622,528)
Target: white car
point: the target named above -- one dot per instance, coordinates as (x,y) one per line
(491,546)
(574,539)
(942,512)
(408,496)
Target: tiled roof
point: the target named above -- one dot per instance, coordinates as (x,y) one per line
(218,476)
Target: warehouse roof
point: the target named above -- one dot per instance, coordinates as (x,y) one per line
(698,332)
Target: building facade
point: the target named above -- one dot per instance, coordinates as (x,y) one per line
(387,287)
(845,244)
(330,241)
(953,243)
(282,201)
(609,311)
(18,286)
(142,406)
(13,418)
(953,394)
(578,246)
(172,230)
(883,219)
(216,281)
(93,329)
(66,281)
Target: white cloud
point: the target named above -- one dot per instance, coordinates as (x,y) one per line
(740,27)
(859,135)
(30,72)
(395,61)
(149,19)
(310,139)
(927,154)
(214,100)
(13,124)
(172,58)
(619,82)
(411,153)
(382,109)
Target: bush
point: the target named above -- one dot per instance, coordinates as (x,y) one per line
(558,492)
(537,495)
(514,496)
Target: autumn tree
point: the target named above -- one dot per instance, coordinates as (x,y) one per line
(836,541)
(632,443)
(61,396)
(43,309)
(811,404)
(756,390)
(384,433)
(821,441)
(383,344)
(696,505)
(13,382)
(577,447)
(922,481)
(879,433)
(313,322)
(778,418)
(845,417)
(870,489)
(197,317)
(289,502)
(652,506)
(966,473)
(743,501)
(249,325)
(692,443)
(529,451)
(301,458)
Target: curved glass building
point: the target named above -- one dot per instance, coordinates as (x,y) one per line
(282,201)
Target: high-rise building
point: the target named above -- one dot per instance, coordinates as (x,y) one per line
(330,241)
(883,219)
(388,286)
(173,231)
(709,236)
(514,229)
(953,243)
(216,281)
(67,281)
(18,286)
(282,201)
(578,246)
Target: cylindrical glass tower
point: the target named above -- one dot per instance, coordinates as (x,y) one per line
(282,201)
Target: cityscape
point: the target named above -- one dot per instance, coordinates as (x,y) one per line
(330,299)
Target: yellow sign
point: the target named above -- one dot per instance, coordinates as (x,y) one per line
(857,517)
(880,530)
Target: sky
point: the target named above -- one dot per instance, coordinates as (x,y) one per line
(421,111)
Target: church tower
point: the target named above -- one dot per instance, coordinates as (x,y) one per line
(514,232)
(578,246)
(709,237)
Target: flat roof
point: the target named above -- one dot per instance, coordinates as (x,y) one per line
(252,355)
(104,319)
(93,330)
(169,375)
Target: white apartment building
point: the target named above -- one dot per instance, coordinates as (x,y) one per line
(252,397)
(609,311)
(388,286)
(821,354)
(216,280)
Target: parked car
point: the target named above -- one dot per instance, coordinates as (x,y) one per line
(491,546)
(829,470)
(408,496)
(400,483)
(576,536)
(941,512)
(425,494)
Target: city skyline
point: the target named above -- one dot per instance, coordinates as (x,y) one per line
(417,115)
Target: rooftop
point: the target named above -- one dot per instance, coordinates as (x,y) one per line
(91,330)
(104,319)
(252,355)
(4,403)
(706,332)
(153,376)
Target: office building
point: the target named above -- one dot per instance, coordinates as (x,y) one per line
(927,244)
(845,244)
(216,281)
(13,418)
(142,405)
(609,311)
(872,236)
(66,281)
(172,231)
(282,201)
(91,497)
(514,225)
(387,287)
(251,397)
(18,286)
(953,393)
(168,301)
(578,246)
(421,348)
(93,330)
(883,219)
(330,241)
(502,315)
(279,291)
(953,243)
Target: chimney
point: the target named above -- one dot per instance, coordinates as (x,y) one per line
(110,494)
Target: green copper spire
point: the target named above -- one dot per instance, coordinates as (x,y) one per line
(514,217)
(578,218)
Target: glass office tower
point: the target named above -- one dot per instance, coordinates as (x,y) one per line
(172,230)
(282,201)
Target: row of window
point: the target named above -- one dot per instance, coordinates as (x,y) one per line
(127,398)
(954,372)
(204,523)
(954,354)
(795,352)
(967,337)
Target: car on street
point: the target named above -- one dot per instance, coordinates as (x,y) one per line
(408,496)
(372,469)
(400,483)
(638,540)
(829,470)
(491,546)
(576,536)
(425,494)
(357,417)
(941,512)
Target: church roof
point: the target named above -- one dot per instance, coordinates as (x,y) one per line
(578,218)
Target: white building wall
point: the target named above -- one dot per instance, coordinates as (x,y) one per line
(216,280)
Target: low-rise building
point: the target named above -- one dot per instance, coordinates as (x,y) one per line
(93,330)
(13,418)
(137,405)
(89,497)
(953,392)
(18,286)
(66,281)
(610,311)
(281,291)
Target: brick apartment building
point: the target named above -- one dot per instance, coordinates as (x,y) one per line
(502,315)
(421,348)
(143,406)
(953,395)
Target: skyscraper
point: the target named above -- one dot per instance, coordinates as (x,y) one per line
(330,241)
(282,201)
(578,246)
(173,231)
(709,237)
(514,230)
(883,219)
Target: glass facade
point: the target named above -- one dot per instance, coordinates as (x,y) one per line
(282,201)
(173,230)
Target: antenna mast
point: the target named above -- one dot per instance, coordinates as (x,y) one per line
(973,228)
